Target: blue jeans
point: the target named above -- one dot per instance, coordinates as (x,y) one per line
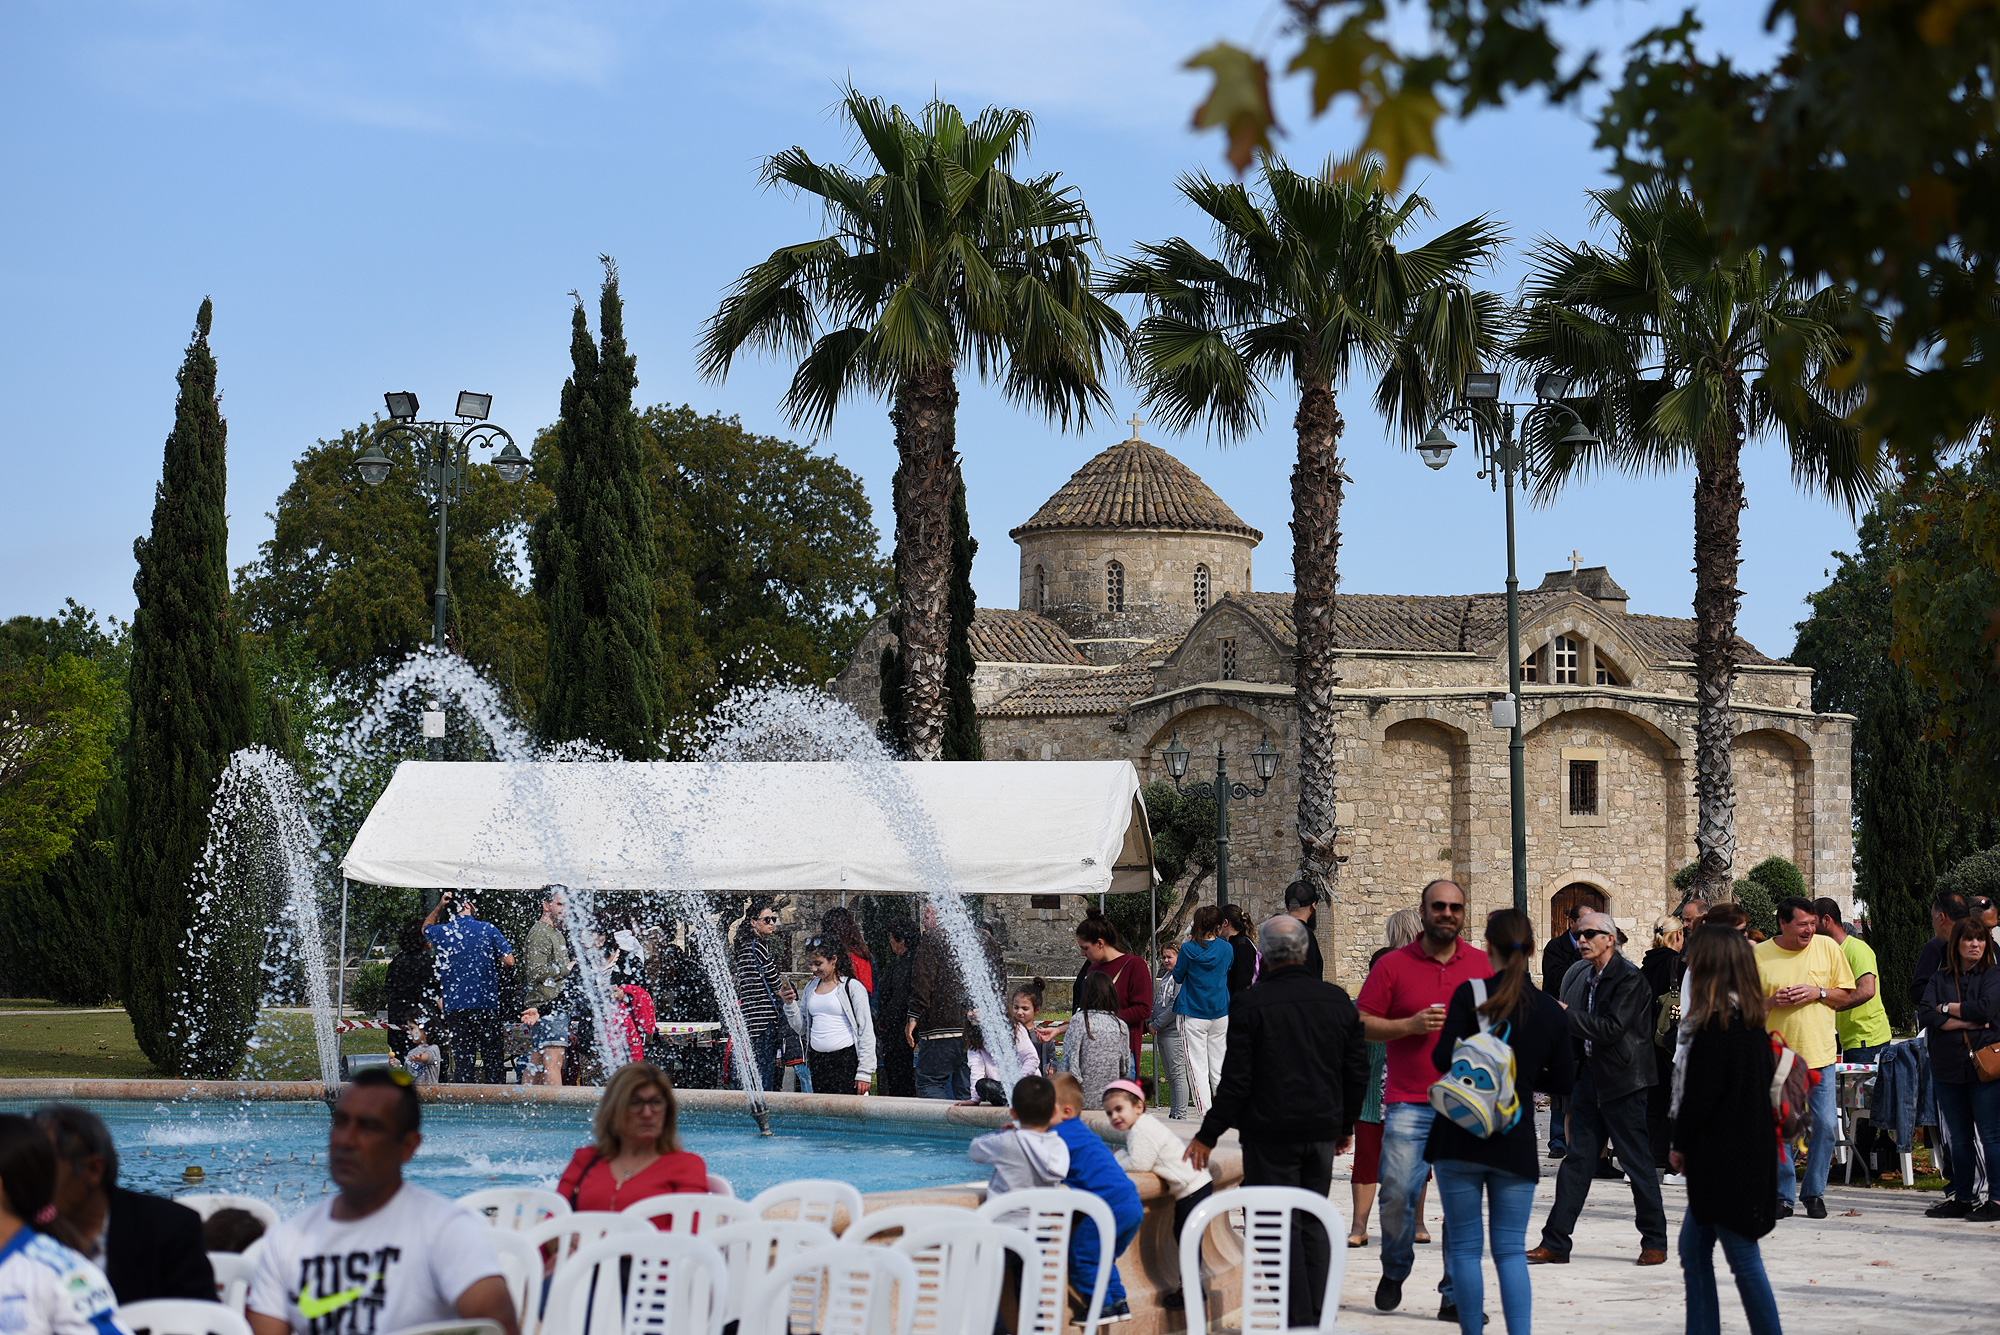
(764,1051)
(1083,1256)
(1704,1313)
(1969,1109)
(1825,1101)
(1405,1128)
(941,1071)
(1513,1197)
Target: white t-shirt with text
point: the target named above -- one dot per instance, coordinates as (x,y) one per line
(406,1264)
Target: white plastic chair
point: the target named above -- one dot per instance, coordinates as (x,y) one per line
(521,1266)
(689,1212)
(961,1270)
(1046,1214)
(752,1248)
(676,1286)
(570,1233)
(718,1185)
(1268,1222)
(460,1326)
(903,1218)
(234,1273)
(819,1200)
(516,1209)
(206,1203)
(845,1289)
(181,1316)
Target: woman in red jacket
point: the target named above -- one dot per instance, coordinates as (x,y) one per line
(638,1151)
(1130,979)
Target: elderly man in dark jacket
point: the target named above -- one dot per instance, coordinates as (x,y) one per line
(147,1246)
(1610,1011)
(1292,1085)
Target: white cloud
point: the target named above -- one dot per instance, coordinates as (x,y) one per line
(552,42)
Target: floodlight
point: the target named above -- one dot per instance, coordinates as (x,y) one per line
(1482,385)
(474,407)
(1436,448)
(1551,385)
(402,407)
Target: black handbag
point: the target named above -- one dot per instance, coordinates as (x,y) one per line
(791,1046)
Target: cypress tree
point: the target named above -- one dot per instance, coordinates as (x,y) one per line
(597,554)
(1898,834)
(191,708)
(961,721)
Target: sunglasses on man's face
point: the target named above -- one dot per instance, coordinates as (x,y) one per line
(1590,933)
(768,918)
(1441,906)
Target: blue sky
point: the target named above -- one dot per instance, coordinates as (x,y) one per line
(386,196)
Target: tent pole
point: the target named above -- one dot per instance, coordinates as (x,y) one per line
(340,960)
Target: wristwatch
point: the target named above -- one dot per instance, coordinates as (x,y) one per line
(1822,994)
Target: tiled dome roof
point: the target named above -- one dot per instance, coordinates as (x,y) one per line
(1136,485)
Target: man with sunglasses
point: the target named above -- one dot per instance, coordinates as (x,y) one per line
(1610,1012)
(1403,1005)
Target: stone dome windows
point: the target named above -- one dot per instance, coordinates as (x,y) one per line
(1114,587)
(1200,589)
(1041,590)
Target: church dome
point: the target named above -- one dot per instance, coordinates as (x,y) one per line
(1136,485)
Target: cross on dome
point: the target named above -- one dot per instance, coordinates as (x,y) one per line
(1136,422)
(1575,560)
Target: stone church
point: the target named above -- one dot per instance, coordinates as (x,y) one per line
(1138,619)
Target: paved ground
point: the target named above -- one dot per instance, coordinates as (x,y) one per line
(1875,1264)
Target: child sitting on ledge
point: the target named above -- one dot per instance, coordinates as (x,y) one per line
(1092,1169)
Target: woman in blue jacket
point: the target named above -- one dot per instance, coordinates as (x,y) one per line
(1203,1005)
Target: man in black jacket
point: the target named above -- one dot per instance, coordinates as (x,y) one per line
(147,1246)
(1292,1085)
(1610,1011)
(1558,957)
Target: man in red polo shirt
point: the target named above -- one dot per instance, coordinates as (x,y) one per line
(1403,1004)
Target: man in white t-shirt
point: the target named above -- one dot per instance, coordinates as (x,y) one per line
(382,1255)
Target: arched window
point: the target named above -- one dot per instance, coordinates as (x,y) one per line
(1041,589)
(1114,587)
(1607,675)
(1200,590)
(1562,660)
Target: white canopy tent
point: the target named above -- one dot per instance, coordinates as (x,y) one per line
(771,827)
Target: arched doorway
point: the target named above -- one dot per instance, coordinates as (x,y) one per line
(1577,894)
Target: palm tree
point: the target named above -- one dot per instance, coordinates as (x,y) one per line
(1690,349)
(934,255)
(1308,282)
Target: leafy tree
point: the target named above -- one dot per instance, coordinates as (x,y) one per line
(56,721)
(1686,352)
(1183,826)
(1975,875)
(1309,280)
(1900,807)
(191,709)
(623,656)
(347,572)
(961,730)
(934,254)
(1864,152)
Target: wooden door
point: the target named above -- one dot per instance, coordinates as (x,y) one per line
(1586,897)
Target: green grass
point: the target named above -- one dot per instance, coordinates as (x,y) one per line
(101,1047)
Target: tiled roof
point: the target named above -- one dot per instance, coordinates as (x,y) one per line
(1099,693)
(1004,635)
(1134,485)
(1466,622)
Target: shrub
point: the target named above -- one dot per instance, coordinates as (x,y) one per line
(1780,878)
(1976,875)
(369,990)
(1758,906)
(1684,878)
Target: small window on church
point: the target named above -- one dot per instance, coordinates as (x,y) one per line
(1583,787)
(1114,587)
(1562,658)
(1605,676)
(1041,589)
(1530,669)
(1226,649)
(1200,590)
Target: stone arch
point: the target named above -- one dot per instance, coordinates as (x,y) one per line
(1640,821)
(1555,884)
(1771,769)
(1579,622)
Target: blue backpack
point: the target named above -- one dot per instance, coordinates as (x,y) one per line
(1478,1093)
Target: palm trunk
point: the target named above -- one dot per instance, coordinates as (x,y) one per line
(1316,494)
(926,419)
(1718,506)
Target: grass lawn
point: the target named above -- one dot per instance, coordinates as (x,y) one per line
(101,1046)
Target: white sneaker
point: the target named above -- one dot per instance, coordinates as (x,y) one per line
(1672,1180)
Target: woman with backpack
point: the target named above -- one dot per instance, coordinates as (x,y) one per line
(1960,1012)
(1505,1164)
(1724,1139)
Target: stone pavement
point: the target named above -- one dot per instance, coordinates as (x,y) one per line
(1875,1264)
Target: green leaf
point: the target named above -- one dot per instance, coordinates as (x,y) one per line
(1239,102)
(1403,127)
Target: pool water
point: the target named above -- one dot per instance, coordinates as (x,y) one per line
(277,1150)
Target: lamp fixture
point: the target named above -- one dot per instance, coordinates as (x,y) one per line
(1265,759)
(1581,435)
(474,407)
(1177,755)
(1482,386)
(510,463)
(1436,448)
(374,465)
(402,406)
(1551,385)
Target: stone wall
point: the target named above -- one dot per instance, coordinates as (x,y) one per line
(1159,577)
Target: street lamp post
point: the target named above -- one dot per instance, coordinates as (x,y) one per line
(443,450)
(1264,760)
(1502,454)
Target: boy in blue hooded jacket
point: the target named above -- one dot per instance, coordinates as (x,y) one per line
(1092,1169)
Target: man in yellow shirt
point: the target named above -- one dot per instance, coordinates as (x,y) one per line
(1806,980)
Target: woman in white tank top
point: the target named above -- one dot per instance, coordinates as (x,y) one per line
(834,1017)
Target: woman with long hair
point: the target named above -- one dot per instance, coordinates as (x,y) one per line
(1096,1046)
(837,924)
(1503,1168)
(1202,969)
(1662,969)
(1724,1142)
(46,1286)
(635,1150)
(833,1019)
(1961,1014)
(1235,929)
(1097,940)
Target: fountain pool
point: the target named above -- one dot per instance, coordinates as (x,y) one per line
(276,1150)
